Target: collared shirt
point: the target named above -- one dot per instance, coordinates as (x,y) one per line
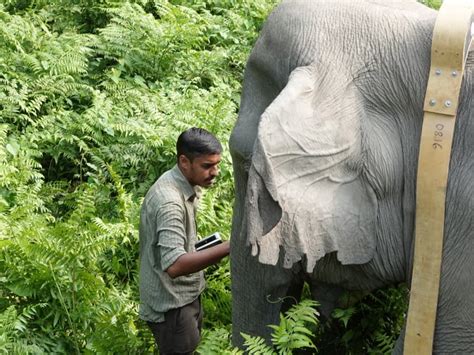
(167,231)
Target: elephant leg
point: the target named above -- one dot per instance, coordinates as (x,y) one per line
(259,292)
(326,295)
(398,348)
(293,295)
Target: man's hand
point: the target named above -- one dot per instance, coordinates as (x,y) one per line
(196,261)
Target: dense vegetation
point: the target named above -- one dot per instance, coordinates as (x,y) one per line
(93,94)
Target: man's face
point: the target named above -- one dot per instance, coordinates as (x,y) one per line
(202,170)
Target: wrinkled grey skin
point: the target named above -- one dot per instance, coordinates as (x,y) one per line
(325,153)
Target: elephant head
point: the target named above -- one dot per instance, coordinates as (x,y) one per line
(325,153)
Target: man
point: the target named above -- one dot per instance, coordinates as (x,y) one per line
(171,276)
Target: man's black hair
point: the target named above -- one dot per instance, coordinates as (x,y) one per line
(197,141)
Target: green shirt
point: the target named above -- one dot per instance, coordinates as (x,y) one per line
(167,231)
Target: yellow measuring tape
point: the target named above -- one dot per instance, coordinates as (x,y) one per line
(452,38)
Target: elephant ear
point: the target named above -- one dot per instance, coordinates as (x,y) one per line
(306,193)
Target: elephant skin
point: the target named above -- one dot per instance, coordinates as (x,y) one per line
(325,154)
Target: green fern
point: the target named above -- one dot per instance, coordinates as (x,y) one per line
(257,345)
(217,341)
(92,97)
(292,333)
(12,327)
(374,323)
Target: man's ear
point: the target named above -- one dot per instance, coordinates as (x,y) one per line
(184,163)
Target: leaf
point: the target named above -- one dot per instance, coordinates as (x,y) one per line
(56,318)
(20,290)
(109,130)
(344,315)
(12,147)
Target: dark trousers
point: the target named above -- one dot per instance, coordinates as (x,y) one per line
(180,333)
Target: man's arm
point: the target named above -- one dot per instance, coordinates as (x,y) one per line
(196,261)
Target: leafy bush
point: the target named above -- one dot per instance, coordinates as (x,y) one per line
(92,97)
(369,326)
(294,332)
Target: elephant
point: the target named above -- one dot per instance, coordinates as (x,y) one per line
(325,152)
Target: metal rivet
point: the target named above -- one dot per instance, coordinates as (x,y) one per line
(454,73)
(438,71)
(447,103)
(432,102)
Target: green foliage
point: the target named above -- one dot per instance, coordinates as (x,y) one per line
(372,325)
(257,345)
(216,298)
(217,341)
(434,4)
(93,95)
(14,326)
(294,331)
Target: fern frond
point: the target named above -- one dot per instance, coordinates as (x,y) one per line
(217,341)
(257,345)
(292,332)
